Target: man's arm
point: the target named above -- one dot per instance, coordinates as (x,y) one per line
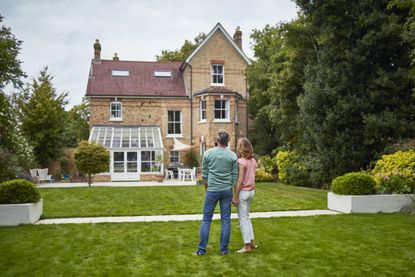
(234,171)
(205,171)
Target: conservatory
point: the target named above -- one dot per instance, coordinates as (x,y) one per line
(134,150)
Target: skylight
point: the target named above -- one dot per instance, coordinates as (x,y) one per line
(120,73)
(162,73)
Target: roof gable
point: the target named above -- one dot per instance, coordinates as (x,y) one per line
(218,27)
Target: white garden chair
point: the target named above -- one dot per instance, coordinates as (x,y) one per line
(33,174)
(180,174)
(169,174)
(43,175)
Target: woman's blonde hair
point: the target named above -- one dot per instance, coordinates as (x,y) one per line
(244,148)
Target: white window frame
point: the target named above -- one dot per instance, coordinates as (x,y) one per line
(178,156)
(201,110)
(217,74)
(227,110)
(174,122)
(116,118)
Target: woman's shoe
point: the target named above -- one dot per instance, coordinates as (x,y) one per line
(255,246)
(243,250)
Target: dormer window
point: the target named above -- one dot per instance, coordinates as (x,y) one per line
(218,74)
(120,73)
(116,110)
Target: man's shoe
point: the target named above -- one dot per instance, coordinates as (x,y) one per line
(198,253)
(224,253)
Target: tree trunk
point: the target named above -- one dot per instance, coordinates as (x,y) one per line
(89,179)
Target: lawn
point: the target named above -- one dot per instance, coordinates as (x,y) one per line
(112,201)
(342,245)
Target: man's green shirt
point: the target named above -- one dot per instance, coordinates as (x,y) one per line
(220,169)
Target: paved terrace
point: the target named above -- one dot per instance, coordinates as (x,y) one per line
(167,183)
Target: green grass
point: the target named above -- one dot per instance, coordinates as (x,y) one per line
(112,201)
(342,245)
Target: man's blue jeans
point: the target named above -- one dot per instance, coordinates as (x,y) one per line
(211,199)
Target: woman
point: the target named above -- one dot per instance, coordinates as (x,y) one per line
(244,192)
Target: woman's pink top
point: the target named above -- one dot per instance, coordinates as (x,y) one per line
(248,181)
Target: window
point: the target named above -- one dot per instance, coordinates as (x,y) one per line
(165,74)
(151,161)
(120,73)
(222,110)
(217,74)
(116,110)
(174,156)
(174,124)
(202,114)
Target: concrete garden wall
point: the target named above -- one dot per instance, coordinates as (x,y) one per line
(385,203)
(15,214)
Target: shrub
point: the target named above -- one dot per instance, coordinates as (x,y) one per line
(399,163)
(298,177)
(355,183)
(269,164)
(18,191)
(191,159)
(286,160)
(263,176)
(397,184)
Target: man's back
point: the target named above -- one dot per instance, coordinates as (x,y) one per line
(220,168)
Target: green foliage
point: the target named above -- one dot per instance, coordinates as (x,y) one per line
(16,155)
(43,118)
(91,159)
(263,176)
(268,164)
(401,145)
(18,191)
(180,55)
(354,183)
(77,127)
(191,158)
(287,160)
(399,163)
(396,184)
(10,65)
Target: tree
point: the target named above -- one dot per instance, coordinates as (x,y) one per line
(43,118)
(16,156)
(77,127)
(91,159)
(358,95)
(10,65)
(180,55)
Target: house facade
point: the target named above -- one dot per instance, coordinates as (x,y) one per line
(149,114)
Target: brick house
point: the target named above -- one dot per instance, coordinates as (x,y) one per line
(148,114)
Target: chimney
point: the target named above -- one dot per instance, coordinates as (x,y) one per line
(237,37)
(115,58)
(97,51)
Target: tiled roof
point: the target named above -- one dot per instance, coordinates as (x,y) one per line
(140,82)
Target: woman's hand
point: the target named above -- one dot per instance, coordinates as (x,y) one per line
(235,201)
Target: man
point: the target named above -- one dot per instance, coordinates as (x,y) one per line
(219,172)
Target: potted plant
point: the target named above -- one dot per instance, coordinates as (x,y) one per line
(357,192)
(20,203)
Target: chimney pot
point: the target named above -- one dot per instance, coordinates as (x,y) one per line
(97,51)
(237,37)
(115,58)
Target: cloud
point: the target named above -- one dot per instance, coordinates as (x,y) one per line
(60,34)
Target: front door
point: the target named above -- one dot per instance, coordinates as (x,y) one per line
(125,166)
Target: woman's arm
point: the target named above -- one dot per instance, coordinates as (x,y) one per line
(238,187)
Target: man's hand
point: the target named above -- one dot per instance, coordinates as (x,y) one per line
(205,184)
(235,201)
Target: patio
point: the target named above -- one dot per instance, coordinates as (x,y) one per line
(166,183)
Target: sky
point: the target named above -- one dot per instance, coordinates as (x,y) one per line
(60,33)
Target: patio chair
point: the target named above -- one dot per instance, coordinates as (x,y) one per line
(33,174)
(189,174)
(180,174)
(169,174)
(43,175)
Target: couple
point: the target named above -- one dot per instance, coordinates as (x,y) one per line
(220,171)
